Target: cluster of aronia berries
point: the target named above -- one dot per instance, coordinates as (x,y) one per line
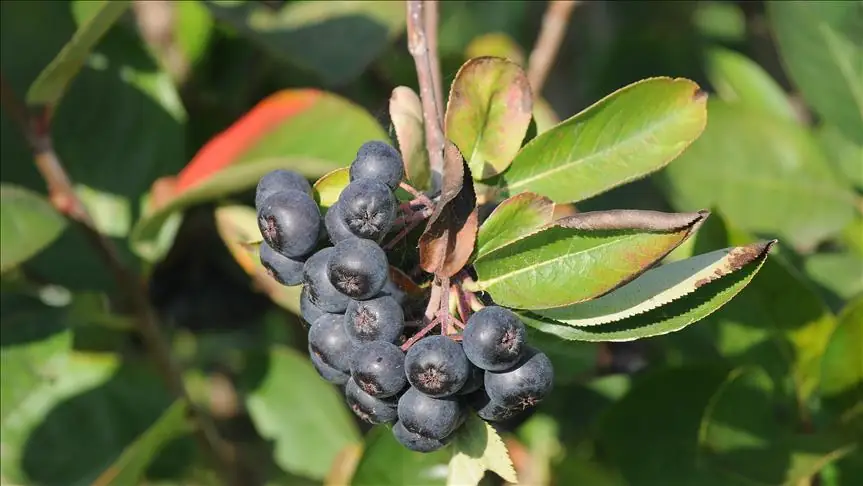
(357,321)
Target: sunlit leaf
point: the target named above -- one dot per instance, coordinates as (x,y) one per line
(842,366)
(385,462)
(478,448)
(406,114)
(513,219)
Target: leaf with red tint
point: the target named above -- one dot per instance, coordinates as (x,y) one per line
(450,235)
(229,145)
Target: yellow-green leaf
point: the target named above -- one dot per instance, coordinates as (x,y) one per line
(28,224)
(512,219)
(478,448)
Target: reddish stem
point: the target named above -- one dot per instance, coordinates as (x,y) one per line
(420,334)
(418,196)
(463,304)
(402,234)
(444,306)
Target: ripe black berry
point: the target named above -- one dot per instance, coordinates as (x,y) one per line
(308,310)
(377,319)
(358,268)
(379,369)
(326,371)
(417,442)
(474,381)
(523,386)
(337,229)
(321,292)
(487,409)
(290,222)
(280,180)
(393,290)
(328,341)
(368,408)
(437,366)
(494,338)
(379,161)
(286,271)
(368,208)
(435,418)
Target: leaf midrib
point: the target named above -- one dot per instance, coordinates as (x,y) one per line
(638,135)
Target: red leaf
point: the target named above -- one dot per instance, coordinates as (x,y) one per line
(229,145)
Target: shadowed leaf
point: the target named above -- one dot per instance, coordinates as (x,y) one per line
(488,111)
(28,224)
(450,235)
(842,367)
(623,137)
(581,257)
(406,114)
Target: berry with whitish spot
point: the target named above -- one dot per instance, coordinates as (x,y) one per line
(368,208)
(368,408)
(290,223)
(377,319)
(379,369)
(358,268)
(437,366)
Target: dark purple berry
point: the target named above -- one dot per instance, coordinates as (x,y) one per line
(358,268)
(286,271)
(379,161)
(308,310)
(523,386)
(368,208)
(379,369)
(321,292)
(437,366)
(487,409)
(430,417)
(328,341)
(494,338)
(326,371)
(290,223)
(378,319)
(417,442)
(280,180)
(337,229)
(368,408)
(474,381)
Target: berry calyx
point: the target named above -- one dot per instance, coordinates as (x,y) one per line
(358,268)
(523,386)
(494,338)
(368,208)
(377,319)
(437,366)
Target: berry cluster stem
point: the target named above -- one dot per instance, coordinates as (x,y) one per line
(443,312)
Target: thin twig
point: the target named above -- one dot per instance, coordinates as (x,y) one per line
(403,233)
(444,306)
(63,197)
(432,16)
(463,304)
(419,196)
(551,35)
(419,39)
(420,334)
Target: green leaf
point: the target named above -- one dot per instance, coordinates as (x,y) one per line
(842,153)
(193,29)
(385,462)
(335,40)
(661,286)
(842,366)
(52,396)
(28,224)
(623,137)
(738,79)
(328,188)
(821,46)
(302,414)
(51,83)
(406,113)
(489,108)
(478,448)
(512,220)
(130,467)
(841,273)
(772,179)
(740,436)
(651,434)
(581,257)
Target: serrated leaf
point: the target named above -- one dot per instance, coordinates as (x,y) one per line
(658,287)
(130,467)
(665,319)
(302,414)
(51,83)
(842,365)
(406,113)
(449,238)
(625,136)
(513,219)
(28,224)
(489,109)
(478,448)
(821,47)
(738,79)
(791,190)
(581,257)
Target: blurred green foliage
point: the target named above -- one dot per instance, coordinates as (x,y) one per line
(768,390)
